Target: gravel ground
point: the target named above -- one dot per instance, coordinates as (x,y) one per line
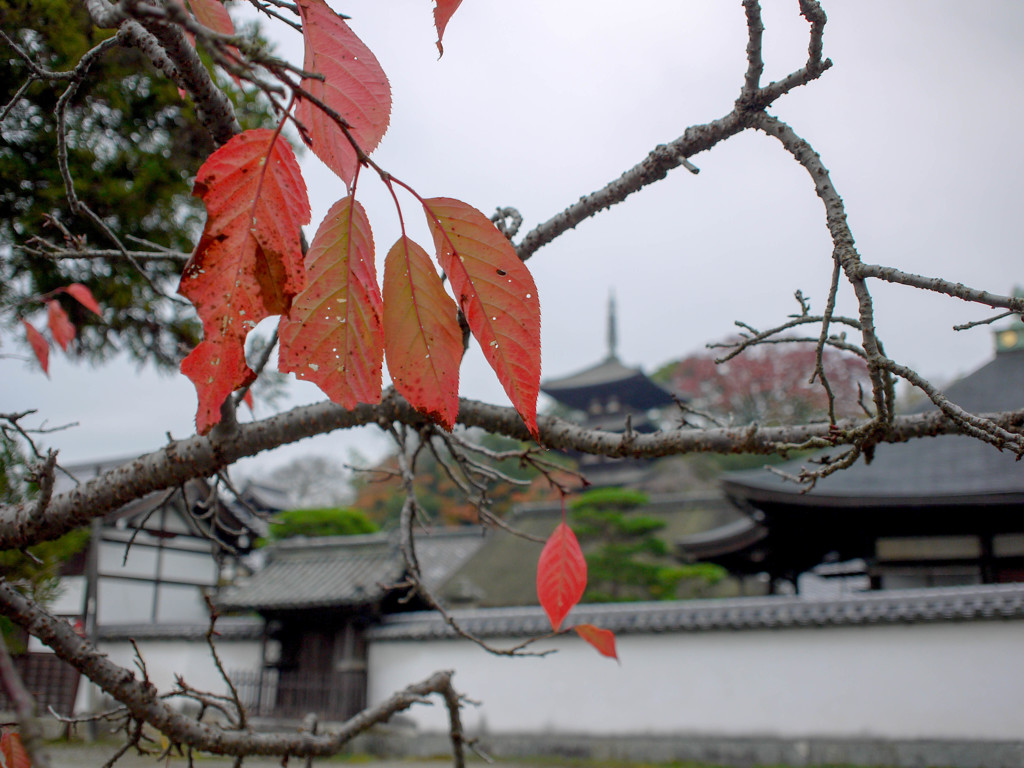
(94,756)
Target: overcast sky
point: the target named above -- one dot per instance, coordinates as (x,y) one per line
(536,103)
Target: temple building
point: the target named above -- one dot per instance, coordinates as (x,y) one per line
(941,511)
(610,396)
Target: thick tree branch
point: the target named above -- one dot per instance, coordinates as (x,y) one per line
(166,46)
(204,456)
(144,703)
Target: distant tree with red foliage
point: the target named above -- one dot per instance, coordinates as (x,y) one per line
(769,384)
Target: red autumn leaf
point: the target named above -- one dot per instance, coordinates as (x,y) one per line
(332,335)
(422,339)
(602,639)
(61,328)
(83,296)
(212,15)
(39,345)
(248,264)
(497,295)
(249,401)
(443,11)
(13,751)
(354,86)
(561,574)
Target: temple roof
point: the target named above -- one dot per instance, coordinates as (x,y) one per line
(609,383)
(919,488)
(608,378)
(942,470)
(234,524)
(910,606)
(337,571)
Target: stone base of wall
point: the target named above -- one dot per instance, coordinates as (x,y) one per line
(741,752)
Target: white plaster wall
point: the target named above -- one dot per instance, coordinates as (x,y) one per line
(948,680)
(167,658)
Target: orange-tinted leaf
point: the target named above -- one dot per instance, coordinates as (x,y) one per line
(354,86)
(443,11)
(332,335)
(83,296)
(212,15)
(561,575)
(39,345)
(13,751)
(61,327)
(602,639)
(496,293)
(248,264)
(421,333)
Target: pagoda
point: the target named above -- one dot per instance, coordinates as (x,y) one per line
(609,396)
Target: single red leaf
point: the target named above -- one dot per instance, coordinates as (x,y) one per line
(443,11)
(248,263)
(13,751)
(561,574)
(213,15)
(83,296)
(39,345)
(217,369)
(61,327)
(602,639)
(332,335)
(353,85)
(422,339)
(497,295)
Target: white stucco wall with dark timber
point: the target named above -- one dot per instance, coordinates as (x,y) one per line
(939,680)
(166,659)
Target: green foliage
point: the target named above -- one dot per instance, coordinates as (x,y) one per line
(327,521)
(625,558)
(37,572)
(133,146)
(15,480)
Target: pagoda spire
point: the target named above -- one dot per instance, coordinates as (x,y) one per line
(613,332)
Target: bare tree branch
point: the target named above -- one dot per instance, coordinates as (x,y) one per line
(204,456)
(143,702)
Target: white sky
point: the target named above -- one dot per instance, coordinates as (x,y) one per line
(537,103)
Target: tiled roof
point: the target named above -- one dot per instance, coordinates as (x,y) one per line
(609,377)
(950,469)
(1004,601)
(344,570)
(228,628)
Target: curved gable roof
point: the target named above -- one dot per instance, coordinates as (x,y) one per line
(943,470)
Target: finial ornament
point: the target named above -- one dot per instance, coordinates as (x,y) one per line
(613,333)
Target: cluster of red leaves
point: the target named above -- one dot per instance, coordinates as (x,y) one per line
(61,328)
(561,582)
(337,327)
